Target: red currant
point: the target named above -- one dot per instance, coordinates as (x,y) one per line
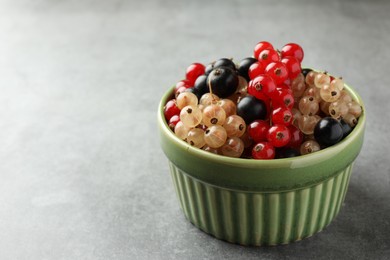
(255,70)
(171,109)
(296,137)
(292,50)
(278,135)
(260,47)
(173,121)
(282,116)
(182,83)
(267,56)
(261,86)
(194,71)
(263,150)
(284,98)
(283,86)
(258,130)
(293,67)
(277,71)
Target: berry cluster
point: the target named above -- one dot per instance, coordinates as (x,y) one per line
(265,107)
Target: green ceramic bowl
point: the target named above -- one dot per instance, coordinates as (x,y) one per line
(260,202)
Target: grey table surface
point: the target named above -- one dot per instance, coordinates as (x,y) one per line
(82,173)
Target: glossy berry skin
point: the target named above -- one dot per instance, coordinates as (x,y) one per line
(278,135)
(267,56)
(193,72)
(296,137)
(209,68)
(225,62)
(171,109)
(260,46)
(347,129)
(244,65)
(293,67)
(292,50)
(263,151)
(258,130)
(305,72)
(201,85)
(284,99)
(251,108)
(173,121)
(282,116)
(262,87)
(286,152)
(223,81)
(194,91)
(256,69)
(277,71)
(182,83)
(328,131)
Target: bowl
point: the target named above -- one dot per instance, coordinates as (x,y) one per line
(260,202)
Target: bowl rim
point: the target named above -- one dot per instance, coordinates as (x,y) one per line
(252,163)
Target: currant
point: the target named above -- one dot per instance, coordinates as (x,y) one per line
(262,87)
(215,136)
(308,105)
(338,109)
(307,123)
(328,131)
(329,93)
(255,70)
(309,146)
(173,122)
(258,130)
(338,83)
(171,109)
(263,45)
(277,71)
(234,126)
(191,116)
(282,116)
(213,115)
(293,66)
(250,109)
(208,99)
(263,151)
(195,137)
(223,81)
(225,62)
(227,105)
(278,135)
(193,72)
(286,152)
(181,130)
(294,50)
(186,99)
(244,66)
(267,56)
(321,79)
(233,147)
(354,109)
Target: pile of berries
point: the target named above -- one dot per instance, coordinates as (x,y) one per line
(265,107)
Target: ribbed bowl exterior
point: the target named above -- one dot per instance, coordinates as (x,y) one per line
(260,218)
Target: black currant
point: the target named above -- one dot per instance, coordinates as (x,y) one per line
(223,81)
(194,91)
(347,129)
(225,62)
(201,85)
(209,68)
(328,131)
(286,152)
(244,65)
(251,108)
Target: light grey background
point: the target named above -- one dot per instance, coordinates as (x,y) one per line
(82,173)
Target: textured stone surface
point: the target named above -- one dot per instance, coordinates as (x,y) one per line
(82,174)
